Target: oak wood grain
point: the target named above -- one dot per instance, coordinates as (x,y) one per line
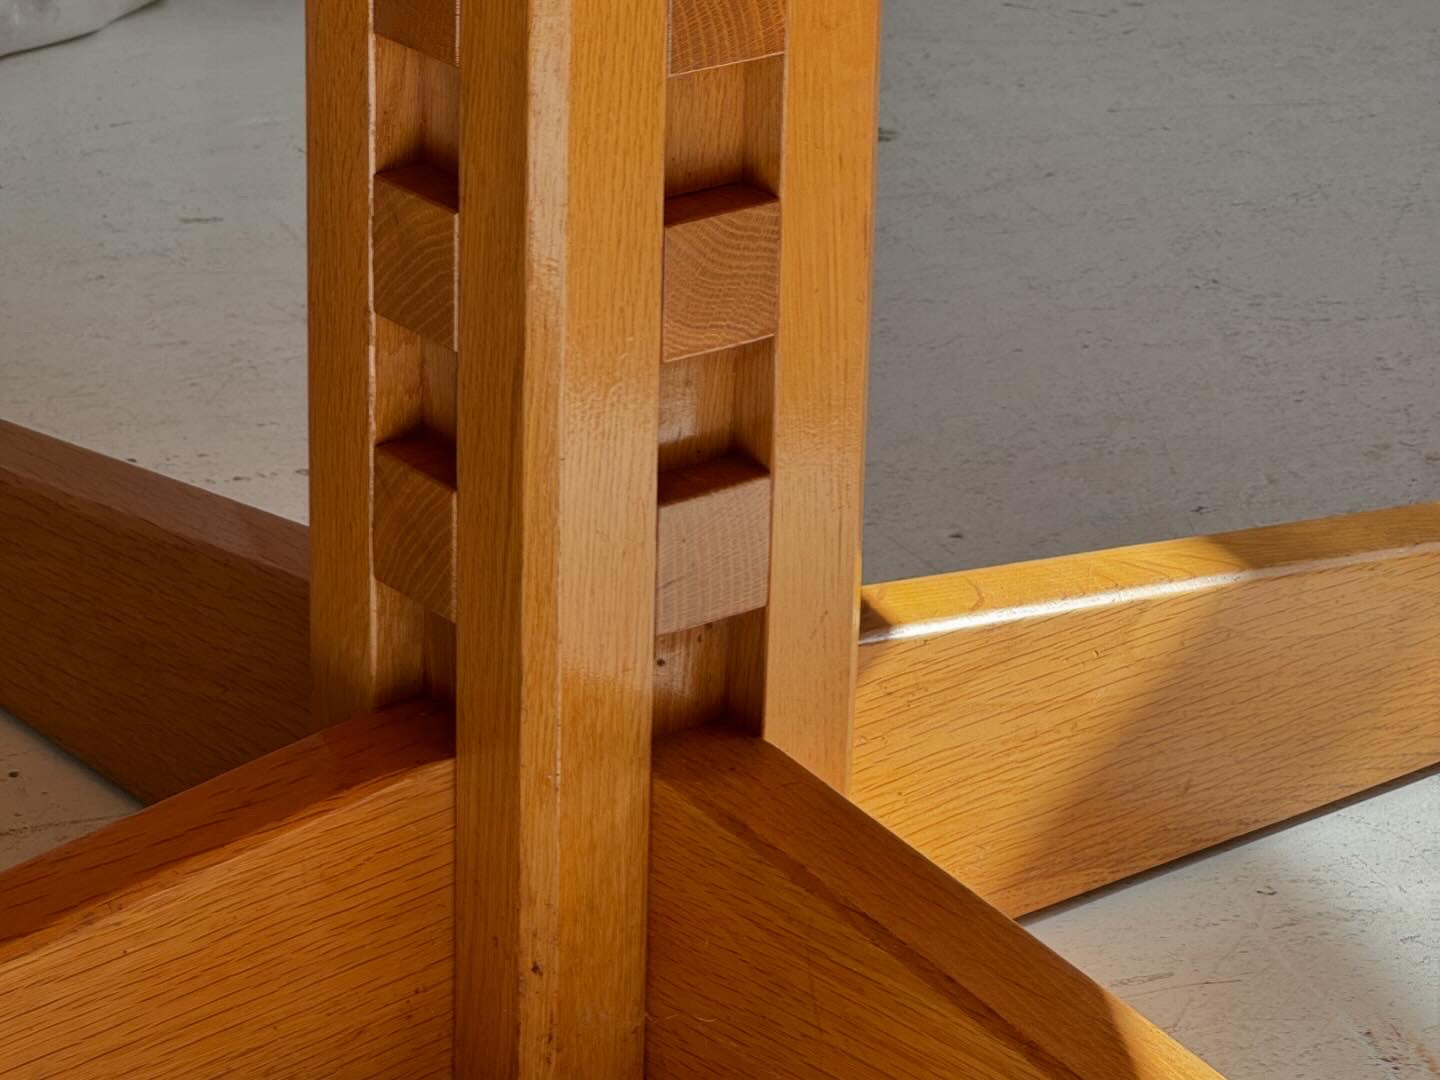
(290,918)
(155,630)
(712,530)
(826,188)
(415,520)
(722,126)
(792,935)
(367,641)
(416,109)
(562,175)
(721,263)
(429,26)
(712,551)
(711,33)
(1043,729)
(416,227)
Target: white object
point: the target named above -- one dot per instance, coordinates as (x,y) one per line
(28,24)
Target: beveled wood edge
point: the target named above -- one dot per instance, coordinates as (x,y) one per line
(966,599)
(292,917)
(869,890)
(112,868)
(96,482)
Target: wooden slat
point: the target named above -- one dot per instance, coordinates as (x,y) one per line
(721,262)
(1043,729)
(415,520)
(710,33)
(712,532)
(712,550)
(367,640)
(826,189)
(562,179)
(792,935)
(291,918)
(428,26)
(154,630)
(416,263)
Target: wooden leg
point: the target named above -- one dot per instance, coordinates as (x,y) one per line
(560,281)
(519,220)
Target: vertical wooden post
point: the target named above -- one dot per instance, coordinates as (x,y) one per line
(363,647)
(589,297)
(772,107)
(560,239)
(826,194)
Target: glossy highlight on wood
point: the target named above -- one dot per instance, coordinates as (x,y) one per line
(562,181)
(1043,729)
(290,918)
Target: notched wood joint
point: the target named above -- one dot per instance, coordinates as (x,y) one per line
(414,526)
(713,33)
(415,228)
(722,269)
(713,554)
(428,26)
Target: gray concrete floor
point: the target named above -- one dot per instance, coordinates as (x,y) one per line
(1144,269)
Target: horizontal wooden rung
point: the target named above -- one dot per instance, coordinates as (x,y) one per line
(722,269)
(713,558)
(713,533)
(415,520)
(713,33)
(428,26)
(416,241)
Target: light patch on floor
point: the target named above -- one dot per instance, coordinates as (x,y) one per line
(47,798)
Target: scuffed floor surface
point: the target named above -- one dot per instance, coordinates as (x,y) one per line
(1309,953)
(1144,270)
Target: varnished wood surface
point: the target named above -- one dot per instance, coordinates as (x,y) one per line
(712,532)
(415,520)
(289,919)
(791,935)
(711,33)
(155,630)
(367,641)
(826,192)
(428,26)
(417,107)
(1309,643)
(416,264)
(1046,728)
(722,249)
(561,221)
(713,543)
(722,126)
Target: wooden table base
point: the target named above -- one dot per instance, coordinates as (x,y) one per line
(576,750)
